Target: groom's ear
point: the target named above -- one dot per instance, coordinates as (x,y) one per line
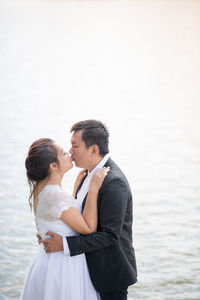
(95,149)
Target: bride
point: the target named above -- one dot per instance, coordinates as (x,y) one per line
(55,276)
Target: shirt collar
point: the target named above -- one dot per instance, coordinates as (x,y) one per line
(100,165)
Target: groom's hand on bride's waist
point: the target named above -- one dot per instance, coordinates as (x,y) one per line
(39,238)
(54,243)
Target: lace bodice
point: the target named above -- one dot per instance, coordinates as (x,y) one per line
(52,201)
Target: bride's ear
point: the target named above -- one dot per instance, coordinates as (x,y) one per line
(53,166)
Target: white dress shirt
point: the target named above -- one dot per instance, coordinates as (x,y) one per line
(83,192)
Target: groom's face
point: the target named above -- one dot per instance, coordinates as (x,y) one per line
(79,153)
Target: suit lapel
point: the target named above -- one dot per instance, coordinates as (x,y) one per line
(108,163)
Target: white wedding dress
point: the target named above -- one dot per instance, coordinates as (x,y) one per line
(56,276)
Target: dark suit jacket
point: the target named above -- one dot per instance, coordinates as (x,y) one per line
(109,251)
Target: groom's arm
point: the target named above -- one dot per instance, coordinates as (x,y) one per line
(114,196)
(113,200)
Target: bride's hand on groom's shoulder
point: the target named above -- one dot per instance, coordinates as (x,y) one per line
(78,181)
(98,178)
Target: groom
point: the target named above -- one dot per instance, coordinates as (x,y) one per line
(109,252)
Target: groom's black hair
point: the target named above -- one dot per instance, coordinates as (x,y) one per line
(93,133)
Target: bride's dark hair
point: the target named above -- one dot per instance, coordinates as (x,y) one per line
(41,154)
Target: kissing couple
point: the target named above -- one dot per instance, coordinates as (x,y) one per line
(85,250)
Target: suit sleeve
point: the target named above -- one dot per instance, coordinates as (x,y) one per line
(113,199)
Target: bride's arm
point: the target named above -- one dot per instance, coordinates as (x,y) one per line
(86,223)
(78,181)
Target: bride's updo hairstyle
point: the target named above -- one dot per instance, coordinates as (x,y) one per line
(41,154)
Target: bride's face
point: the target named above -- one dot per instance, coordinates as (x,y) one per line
(65,161)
